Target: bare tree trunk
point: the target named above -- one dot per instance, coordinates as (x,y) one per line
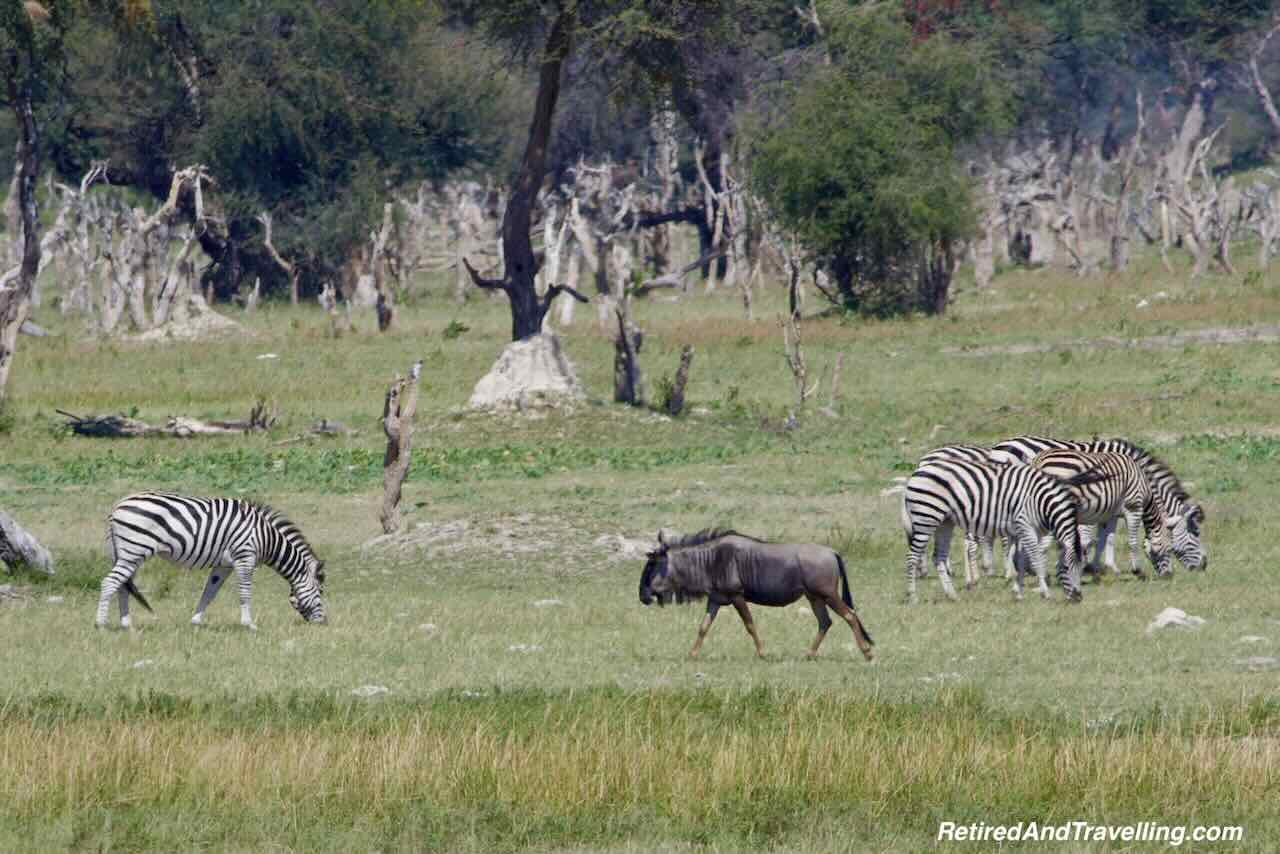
(571,281)
(19,548)
(397,422)
(1260,86)
(15,299)
(628,383)
(674,403)
(1120,225)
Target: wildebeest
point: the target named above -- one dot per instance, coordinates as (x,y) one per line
(726,567)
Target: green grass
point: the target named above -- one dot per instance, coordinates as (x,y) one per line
(511,723)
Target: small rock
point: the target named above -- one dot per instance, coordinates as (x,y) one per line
(699,675)
(1252,639)
(1112,603)
(268,356)
(427,627)
(472,695)
(146,662)
(547,603)
(370,690)
(1259,663)
(1143,303)
(525,647)
(1175,617)
(54,600)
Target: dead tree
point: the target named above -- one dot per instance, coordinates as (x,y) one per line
(628,382)
(18,548)
(290,269)
(15,298)
(793,350)
(674,403)
(397,422)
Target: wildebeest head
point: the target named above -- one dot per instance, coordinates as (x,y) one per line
(655,581)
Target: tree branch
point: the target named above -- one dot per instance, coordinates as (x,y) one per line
(480,281)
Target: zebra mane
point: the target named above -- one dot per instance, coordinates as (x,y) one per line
(706,535)
(283,524)
(1149,460)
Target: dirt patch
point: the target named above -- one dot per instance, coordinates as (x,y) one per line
(512,538)
(11,594)
(1267,333)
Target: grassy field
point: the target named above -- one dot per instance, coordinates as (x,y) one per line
(530,702)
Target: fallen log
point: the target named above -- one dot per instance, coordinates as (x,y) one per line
(181,426)
(18,548)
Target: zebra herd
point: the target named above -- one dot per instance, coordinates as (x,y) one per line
(1027,486)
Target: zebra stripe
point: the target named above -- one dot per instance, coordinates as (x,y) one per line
(213,533)
(1125,492)
(986,499)
(1186,515)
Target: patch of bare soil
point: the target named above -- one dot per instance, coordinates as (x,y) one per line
(13,594)
(512,538)
(1266,333)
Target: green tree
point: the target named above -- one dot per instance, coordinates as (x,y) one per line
(309,111)
(860,162)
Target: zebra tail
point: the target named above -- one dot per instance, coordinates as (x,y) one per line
(137,594)
(847,598)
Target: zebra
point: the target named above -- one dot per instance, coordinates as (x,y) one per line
(987,499)
(1125,492)
(219,533)
(1186,516)
(969,454)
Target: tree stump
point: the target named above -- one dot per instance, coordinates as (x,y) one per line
(18,548)
(397,422)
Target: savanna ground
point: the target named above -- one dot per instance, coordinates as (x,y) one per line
(531,702)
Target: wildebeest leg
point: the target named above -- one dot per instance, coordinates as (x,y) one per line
(704,627)
(744,612)
(819,608)
(859,633)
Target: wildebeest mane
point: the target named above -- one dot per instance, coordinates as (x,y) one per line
(705,536)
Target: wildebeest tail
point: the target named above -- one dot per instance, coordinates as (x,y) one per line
(847,598)
(845,595)
(137,594)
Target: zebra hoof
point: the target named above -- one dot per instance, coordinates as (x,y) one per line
(253,627)
(197,620)
(125,622)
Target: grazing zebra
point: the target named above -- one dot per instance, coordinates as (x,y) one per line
(986,499)
(219,533)
(1126,492)
(969,454)
(1186,515)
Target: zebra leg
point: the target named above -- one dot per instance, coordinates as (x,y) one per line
(122,599)
(1009,545)
(916,543)
(211,588)
(1132,519)
(989,556)
(941,550)
(244,573)
(970,561)
(112,585)
(1103,558)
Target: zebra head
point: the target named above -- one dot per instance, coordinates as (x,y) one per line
(1184,534)
(307,592)
(1158,549)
